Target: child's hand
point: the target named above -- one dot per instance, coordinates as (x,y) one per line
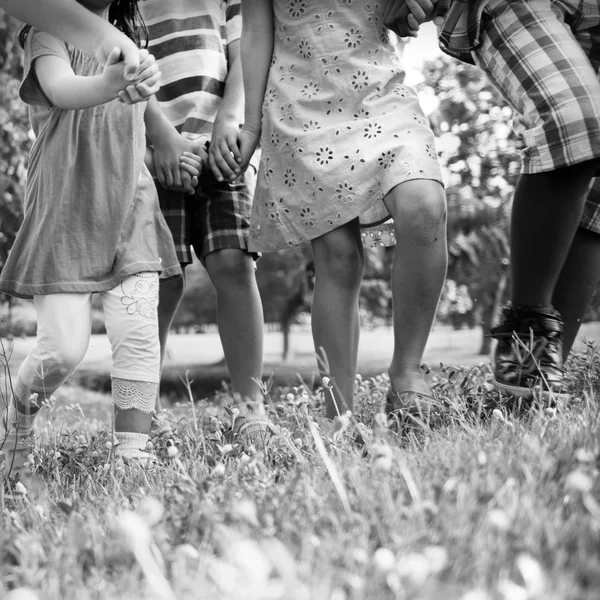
(223,153)
(167,154)
(247,141)
(191,169)
(146,81)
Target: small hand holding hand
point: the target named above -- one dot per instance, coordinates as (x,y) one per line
(191,166)
(418,12)
(146,81)
(176,164)
(224,156)
(247,141)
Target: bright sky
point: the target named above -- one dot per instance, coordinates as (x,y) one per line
(425,47)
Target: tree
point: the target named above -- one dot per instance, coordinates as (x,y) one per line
(478,150)
(14,140)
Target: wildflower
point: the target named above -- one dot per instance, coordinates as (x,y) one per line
(290,397)
(578,481)
(383,464)
(437,558)
(325,381)
(381,421)
(497,415)
(532,574)
(219,470)
(383,560)
(585,456)
(498,519)
(20,489)
(172,451)
(81,440)
(151,510)
(149,446)
(414,569)
(21,594)
(226,449)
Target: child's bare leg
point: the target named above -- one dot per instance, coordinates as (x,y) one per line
(339,262)
(240,320)
(547,209)
(130,311)
(63,331)
(577,283)
(419,211)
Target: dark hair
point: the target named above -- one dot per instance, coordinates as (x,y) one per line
(123,14)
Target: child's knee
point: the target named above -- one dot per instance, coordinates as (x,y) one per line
(419,211)
(230,267)
(341,260)
(53,363)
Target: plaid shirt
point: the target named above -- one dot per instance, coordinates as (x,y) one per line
(459,33)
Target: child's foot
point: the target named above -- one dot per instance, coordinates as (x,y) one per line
(17,437)
(528,358)
(132,449)
(409,403)
(252,426)
(410,397)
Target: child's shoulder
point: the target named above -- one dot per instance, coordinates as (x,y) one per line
(38,43)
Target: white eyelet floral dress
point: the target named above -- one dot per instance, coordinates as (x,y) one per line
(340,129)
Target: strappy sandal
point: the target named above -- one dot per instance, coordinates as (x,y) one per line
(254,430)
(410,406)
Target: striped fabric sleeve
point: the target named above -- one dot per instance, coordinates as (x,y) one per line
(234,20)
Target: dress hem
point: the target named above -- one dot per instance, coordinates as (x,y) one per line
(306,241)
(28,291)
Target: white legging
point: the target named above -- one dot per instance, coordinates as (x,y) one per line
(64,324)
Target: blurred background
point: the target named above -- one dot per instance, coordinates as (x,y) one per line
(479,154)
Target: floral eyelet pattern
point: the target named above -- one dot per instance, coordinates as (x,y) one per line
(340,128)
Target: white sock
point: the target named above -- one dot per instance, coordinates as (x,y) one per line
(132,447)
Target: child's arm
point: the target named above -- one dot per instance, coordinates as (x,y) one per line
(169,147)
(69,21)
(223,154)
(257,51)
(72,92)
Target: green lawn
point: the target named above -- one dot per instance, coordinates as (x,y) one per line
(494,501)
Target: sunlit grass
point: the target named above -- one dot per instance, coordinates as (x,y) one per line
(496,500)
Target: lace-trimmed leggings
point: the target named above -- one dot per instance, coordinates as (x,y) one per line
(63,336)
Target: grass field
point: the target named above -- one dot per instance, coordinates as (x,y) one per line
(493,501)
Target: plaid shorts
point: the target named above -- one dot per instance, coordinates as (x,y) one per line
(216,217)
(544,56)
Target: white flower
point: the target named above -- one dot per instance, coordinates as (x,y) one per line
(497,415)
(413,568)
(21,594)
(290,397)
(20,489)
(498,519)
(384,560)
(172,451)
(578,481)
(219,470)
(383,464)
(151,510)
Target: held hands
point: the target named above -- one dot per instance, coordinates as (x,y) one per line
(247,141)
(178,163)
(224,156)
(417,12)
(117,77)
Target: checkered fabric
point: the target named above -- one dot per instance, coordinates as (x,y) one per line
(217,217)
(544,56)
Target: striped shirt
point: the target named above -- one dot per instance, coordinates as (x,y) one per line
(190,40)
